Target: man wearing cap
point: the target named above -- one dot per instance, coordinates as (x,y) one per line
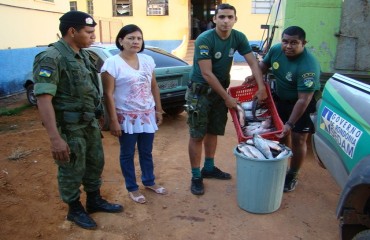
(69,103)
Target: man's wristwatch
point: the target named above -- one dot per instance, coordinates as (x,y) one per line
(291,125)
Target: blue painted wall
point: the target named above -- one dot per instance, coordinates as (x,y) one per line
(15,64)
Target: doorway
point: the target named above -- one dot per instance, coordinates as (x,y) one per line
(201,14)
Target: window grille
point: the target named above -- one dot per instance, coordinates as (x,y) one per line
(261,6)
(90,7)
(157,7)
(73,5)
(122,8)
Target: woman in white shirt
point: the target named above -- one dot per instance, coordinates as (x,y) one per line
(134,107)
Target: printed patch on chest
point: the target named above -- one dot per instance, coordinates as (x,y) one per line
(275,65)
(288,76)
(218,55)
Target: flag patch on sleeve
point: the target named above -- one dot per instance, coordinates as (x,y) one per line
(44,72)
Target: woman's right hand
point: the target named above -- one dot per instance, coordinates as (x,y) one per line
(115,128)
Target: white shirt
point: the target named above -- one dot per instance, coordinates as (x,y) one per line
(133,96)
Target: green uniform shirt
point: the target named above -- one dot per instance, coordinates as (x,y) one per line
(210,46)
(75,87)
(301,74)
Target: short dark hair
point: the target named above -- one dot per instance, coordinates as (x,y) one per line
(130,28)
(63,28)
(295,31)
(225,6)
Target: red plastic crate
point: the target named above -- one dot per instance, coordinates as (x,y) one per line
(245,93)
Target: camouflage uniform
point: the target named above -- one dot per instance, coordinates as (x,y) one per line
(72,80)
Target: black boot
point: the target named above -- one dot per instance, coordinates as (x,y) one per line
(78,215)
(95,203)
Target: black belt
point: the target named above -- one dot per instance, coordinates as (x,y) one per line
(288,101)
(278,99)
(199,88)
(77,117)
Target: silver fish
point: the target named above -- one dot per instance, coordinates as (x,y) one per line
(241,115)
(273,145)
(252,127)
(255,152)
(243,149)
(247,105)
(262,145)
(282,153)
(259,130)
(267,123)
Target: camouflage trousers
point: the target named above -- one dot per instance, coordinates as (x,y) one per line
(86,163)
(207,113)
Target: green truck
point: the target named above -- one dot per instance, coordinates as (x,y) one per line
(338,35)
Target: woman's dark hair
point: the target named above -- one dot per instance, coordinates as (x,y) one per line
(127,30)
(295,31)
(225,6)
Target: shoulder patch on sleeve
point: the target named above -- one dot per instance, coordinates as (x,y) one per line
(45,72)
(308,82)
(203,50)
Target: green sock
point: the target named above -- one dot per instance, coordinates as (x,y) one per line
(209,164)
(195,172)
(293,172)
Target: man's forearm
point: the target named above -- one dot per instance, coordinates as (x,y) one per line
(47,115)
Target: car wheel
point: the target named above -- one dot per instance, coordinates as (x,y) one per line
(363,235)
(31,95)
(174,111)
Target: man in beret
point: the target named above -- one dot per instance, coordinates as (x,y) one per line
(69,103)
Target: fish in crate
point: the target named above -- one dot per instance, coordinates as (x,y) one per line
(254,118)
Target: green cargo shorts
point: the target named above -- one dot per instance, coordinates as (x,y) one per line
(207,113)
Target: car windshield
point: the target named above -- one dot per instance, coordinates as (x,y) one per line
(161,58)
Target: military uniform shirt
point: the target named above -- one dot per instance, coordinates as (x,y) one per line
(74,88)
(210,46)
(301,74)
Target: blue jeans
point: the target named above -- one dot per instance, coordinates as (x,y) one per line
(145,146)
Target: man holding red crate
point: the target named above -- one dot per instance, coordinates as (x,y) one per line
(207,98)
(297,74)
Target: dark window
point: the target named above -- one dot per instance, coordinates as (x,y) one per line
(122,8)
(73,5)
(90,7)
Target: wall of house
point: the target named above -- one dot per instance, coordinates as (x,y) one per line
(25,24)
(28,23)
(248,23)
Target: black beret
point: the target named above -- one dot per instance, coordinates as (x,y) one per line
(77,18)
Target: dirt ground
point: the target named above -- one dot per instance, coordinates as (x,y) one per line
(30,207)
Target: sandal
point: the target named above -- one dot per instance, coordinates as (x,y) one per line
(139,198)
(157,189)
